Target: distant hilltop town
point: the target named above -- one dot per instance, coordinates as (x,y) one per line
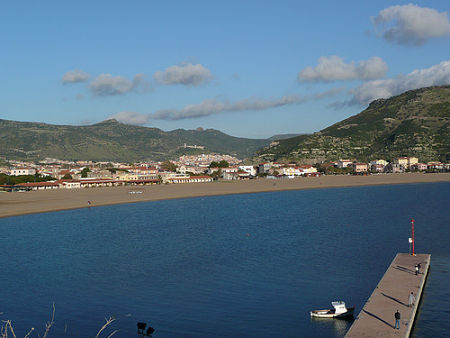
(59,174)
(193,146)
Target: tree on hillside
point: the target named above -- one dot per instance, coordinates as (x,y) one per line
(221,164)
(217,174)
(4,179)
(169,166)
(84,172)
(67,177)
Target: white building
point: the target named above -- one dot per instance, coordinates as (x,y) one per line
(307,169)
(22,171)
(69,184)
(300,170)
(407,162)
(394,168)
(183,169)
(248,168)
(189,179)
(379,162)
(290,171)
(40,185)
(344,163)
(230,170)
(171,177)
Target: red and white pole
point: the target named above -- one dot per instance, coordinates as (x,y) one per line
(412,226)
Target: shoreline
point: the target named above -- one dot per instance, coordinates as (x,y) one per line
(17,204)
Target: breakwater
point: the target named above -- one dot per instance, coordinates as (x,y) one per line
(376,319)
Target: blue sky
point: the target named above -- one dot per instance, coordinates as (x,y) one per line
(248,68)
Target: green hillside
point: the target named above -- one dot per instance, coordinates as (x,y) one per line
(113,141)
(415,123)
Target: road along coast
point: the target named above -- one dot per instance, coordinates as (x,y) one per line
(14,204)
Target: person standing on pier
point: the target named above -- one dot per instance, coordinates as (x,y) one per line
(397,320)
(411,299)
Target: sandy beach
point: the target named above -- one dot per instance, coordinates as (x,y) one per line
(14,204)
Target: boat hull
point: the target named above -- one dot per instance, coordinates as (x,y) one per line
(332,313)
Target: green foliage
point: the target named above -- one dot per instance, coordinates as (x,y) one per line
(169,166)
(113,141)
(84,172)
(216,174)
(114,170)
(415,123)
(187,151)
(13,180)
(67,177)
(221,164)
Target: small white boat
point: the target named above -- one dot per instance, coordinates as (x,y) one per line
(339,311)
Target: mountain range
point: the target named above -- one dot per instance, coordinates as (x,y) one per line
(415,123)
(111,140)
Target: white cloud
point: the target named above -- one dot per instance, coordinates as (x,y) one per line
(333,68)
(185,74)
(411,24)
(106,84)
(214,106)
(434,76)
(75,76)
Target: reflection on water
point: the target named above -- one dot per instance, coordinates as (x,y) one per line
(432,318)
(339,326)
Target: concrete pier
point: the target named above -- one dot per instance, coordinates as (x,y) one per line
(376,319)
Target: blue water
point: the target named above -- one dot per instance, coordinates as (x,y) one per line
(239,265)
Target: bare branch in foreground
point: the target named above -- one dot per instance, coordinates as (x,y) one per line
(4,330)
(28,334)
(113,333)
(48,325)
(7,328)
(108,321)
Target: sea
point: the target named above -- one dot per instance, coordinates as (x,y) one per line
(247,265)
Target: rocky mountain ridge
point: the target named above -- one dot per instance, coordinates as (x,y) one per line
(415,123)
